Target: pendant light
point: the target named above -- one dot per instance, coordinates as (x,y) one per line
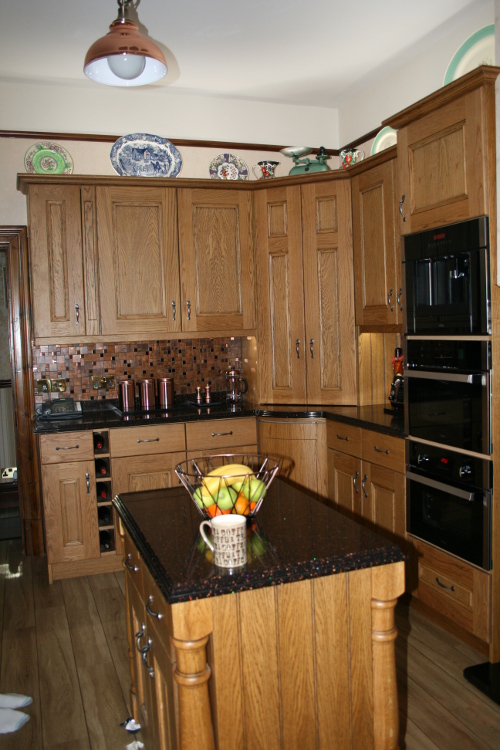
(124,57)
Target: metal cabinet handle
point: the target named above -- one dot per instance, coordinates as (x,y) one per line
(140,634)
(297,348)
(381,450)
(173,309)
(189,309)
(400,294)
(77,308)
(354,482)
(144,656)
(444,586)
(126,562)
(343,438)
(150,612)
(148,440)
(365,479)
(66,447)
(311,348)
(401,207)
(389,300)
(87,481)
(221,434)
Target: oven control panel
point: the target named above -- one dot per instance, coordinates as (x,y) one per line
(446,465)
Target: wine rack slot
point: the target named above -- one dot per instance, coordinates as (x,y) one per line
(107,540)
(103,485)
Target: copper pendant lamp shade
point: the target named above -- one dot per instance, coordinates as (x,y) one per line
(124,57)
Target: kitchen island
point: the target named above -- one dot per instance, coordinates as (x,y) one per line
(295,650)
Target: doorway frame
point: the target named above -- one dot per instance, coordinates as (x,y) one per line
(14,240)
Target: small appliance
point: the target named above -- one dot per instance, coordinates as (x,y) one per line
(60,408)
(306,166)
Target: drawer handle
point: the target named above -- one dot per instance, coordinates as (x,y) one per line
(150,612)
(343,438)
(126,562)
(381,450)
(149,440)
(66,447)
(444,586)
(221,434)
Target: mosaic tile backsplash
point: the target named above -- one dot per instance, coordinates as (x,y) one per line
(190,362)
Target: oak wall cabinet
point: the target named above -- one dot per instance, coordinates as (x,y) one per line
(377,257)
(110,260)
(305,291)
(442,153)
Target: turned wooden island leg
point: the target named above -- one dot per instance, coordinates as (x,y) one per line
(191,675)
(387,585)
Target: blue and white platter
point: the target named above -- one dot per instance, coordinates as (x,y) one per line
(144,155)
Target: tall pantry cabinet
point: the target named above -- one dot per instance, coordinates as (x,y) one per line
(305,293)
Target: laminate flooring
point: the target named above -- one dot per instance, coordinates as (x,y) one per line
(65,645)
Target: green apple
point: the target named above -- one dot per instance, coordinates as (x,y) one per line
(202,501)
(258,546)
(254,490)
(226,498)
(241,483)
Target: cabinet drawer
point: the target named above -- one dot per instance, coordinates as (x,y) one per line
(344,437)
(384,450)
(66,446)
(148,439)
(455,589)
(219,433)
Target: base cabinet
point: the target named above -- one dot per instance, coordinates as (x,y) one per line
(300,446)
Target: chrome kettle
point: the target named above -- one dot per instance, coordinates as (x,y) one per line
(237,385)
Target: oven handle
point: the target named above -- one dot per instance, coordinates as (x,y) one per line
(453,377)
(462,494)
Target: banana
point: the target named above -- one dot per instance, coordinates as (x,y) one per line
(229,473)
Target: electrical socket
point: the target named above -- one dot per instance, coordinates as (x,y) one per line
(44,385)
(106,381)
(59,384)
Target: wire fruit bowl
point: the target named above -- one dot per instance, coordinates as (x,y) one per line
(228,482)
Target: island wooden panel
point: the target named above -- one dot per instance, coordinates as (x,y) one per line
(308,665)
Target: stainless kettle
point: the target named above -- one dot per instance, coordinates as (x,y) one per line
(237,385)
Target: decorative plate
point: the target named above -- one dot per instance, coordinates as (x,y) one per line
(478,49)
(228,167)
(143,155)
(386,138)
(48,158)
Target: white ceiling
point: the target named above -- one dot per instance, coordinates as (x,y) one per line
(303,52)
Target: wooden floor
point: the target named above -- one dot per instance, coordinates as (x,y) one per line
(65,645)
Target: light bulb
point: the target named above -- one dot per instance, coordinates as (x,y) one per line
(126,66)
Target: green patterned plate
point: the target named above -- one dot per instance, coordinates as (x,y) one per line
(48,158)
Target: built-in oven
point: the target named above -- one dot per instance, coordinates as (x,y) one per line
(447,283)
(448,496)
(448,392)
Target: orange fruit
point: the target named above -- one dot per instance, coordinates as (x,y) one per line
(241,506)
(252,505)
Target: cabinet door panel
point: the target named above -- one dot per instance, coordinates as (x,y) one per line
(56,260)
(375,246)
(141,473)
(344,483)
(138,260)
(385,506)
(280,295)
(70,511)
(329,293)
(217,263)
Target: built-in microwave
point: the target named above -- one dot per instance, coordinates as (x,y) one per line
(447,280)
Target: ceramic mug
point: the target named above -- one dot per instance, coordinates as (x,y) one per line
(350,156)
(267,169)
(229,540)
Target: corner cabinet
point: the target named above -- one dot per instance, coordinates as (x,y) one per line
(443,143)
(305,292)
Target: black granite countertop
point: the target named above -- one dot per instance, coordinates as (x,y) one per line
(105,414)
(294,537)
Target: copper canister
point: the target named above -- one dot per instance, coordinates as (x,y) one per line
(165,393)
(126,395)
(147,393)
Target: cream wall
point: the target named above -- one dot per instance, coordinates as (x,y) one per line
(404,84)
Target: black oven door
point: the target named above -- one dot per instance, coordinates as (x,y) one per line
(450,409)
(455,520)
